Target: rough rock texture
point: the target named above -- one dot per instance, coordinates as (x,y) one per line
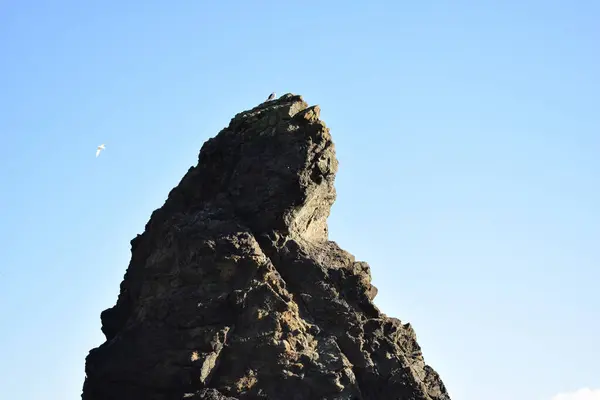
(235,292)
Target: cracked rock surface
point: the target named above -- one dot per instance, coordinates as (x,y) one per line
(234,290)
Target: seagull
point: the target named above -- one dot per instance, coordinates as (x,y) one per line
(271,96)
(99,149)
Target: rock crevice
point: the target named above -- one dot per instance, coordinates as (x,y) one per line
(234,290)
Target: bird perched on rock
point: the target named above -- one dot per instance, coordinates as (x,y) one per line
(271,96)
(99,149)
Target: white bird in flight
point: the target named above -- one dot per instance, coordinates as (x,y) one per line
(99,149)
(271,96)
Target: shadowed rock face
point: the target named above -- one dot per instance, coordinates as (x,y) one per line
(235,292)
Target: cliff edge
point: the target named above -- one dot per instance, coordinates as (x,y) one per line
(234,291)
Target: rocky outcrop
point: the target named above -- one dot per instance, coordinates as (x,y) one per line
(235,292)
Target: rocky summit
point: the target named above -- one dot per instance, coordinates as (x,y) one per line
(234,290)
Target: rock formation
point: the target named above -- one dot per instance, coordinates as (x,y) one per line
(235,292)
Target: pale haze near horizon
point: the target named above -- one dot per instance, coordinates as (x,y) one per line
(468,138)
(581,394)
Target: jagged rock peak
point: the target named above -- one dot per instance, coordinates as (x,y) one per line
(234,291)
(273,168)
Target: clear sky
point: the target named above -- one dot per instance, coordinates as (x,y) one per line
(468,134)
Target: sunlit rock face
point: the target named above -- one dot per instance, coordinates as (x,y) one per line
(234,290)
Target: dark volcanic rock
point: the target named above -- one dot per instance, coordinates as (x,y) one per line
(235,292)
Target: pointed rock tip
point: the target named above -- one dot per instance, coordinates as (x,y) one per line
(289,103)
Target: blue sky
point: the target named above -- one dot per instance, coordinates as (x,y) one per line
(468,136)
